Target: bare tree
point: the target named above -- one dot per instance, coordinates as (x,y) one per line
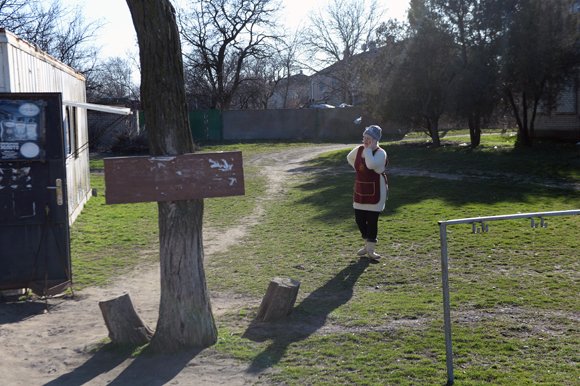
(262,77)
(289,51)
(259,81)
(198,91)
(113,78)
(14,15)
(185,317)
(221,37)
(339,32)
(60,31)
(73,41)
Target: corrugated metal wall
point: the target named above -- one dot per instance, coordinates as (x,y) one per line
(23,68)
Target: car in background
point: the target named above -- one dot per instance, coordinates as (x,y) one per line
(321,106)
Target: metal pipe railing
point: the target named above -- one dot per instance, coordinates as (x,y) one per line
(483,227)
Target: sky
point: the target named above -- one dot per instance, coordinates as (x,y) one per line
(117,36)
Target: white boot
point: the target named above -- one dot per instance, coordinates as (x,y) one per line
(362,252)
(371,251)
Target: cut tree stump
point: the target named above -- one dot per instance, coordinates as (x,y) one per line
(279,299)
(123,323)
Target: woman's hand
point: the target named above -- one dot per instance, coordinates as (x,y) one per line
(367,141)
(371,144)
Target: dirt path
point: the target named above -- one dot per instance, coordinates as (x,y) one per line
(56,348)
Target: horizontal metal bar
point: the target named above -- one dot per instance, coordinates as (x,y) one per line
(511,217)
(97,107)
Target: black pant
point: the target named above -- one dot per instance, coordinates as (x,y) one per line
(368,223)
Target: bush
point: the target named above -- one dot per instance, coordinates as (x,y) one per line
(127,143)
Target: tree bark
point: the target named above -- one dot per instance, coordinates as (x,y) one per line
(433,128)
(521,119)
(123,323)
(279,299)
(185,317)
(474,123)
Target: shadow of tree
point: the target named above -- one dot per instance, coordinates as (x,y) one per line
(104,360)
(334,192)
(156,369)
(307,318)
(146,369)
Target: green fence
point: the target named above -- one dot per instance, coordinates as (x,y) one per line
(205,125)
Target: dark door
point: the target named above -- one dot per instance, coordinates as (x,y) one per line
(34,230)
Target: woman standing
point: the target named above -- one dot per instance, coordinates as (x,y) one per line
(370,188)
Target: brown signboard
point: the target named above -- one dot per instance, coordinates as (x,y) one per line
(172,178)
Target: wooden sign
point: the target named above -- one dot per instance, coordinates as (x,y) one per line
(172,178)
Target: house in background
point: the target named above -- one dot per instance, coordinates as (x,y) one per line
(336,85)
(563,122)
(291,93)
(341,83)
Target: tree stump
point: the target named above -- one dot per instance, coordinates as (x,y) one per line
(123,323)
(279,299)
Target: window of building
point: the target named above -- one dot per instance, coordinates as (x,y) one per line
(70,128)
(567,101)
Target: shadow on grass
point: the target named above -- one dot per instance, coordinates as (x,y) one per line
(145,369)
(543,160)
(307,318)
(331,193)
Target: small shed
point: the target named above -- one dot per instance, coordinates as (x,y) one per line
(44,165)
(26,69)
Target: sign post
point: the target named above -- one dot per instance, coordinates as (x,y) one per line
(173,178)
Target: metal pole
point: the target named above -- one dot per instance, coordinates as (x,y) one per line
(445,264)
(446,302)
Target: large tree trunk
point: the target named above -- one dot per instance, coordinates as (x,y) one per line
(185,318)
(523,138)
(474,123)
(433,129)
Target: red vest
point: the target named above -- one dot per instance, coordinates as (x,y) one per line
(367,189)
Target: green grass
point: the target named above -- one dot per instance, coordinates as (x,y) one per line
(547,161)
(111,239)
(513,289)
